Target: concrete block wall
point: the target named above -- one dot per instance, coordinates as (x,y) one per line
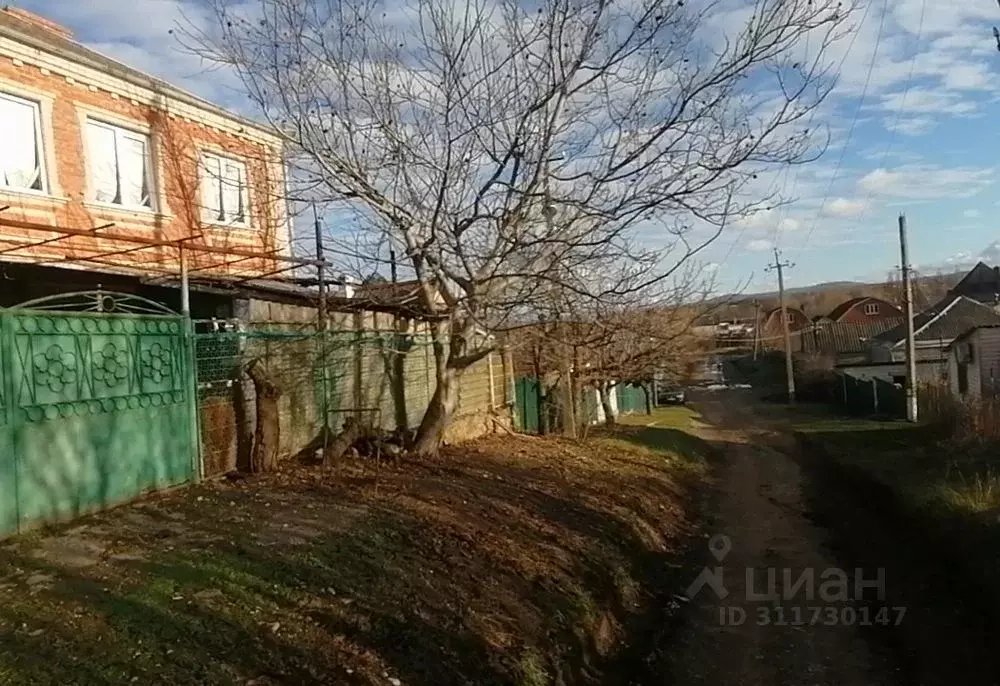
(369,373)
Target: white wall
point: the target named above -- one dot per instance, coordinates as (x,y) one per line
(927,372)
(612,398)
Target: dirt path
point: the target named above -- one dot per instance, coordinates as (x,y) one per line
(760,510)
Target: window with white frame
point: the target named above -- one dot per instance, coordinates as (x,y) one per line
(119,166)
(871,308)
(21,148)
(224,191)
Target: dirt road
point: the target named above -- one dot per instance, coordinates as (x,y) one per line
(810,634)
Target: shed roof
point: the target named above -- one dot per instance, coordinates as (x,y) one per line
(946,320)
(844,337)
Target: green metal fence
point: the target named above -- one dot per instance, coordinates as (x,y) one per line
(631,399)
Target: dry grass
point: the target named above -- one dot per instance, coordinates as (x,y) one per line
(513,560)
(974,494)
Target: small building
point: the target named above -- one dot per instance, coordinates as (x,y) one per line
(929,371)
(864,310)
(772,334)
(934,330)
(974,363)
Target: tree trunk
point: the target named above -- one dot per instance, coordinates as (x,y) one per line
(566,393)
(649,398)
(609,413)
(264,457)
(342,442)
(438,414)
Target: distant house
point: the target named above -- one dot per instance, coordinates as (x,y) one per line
(974,363)
(935,329)
(771,332)
(981,284)
(864,310)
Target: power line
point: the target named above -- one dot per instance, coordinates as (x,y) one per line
(854,122)
(812,115)
(899,111)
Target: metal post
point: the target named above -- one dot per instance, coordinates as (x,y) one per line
(185,290)
(756,328)
(189,350)
(321,325)
(493,384)
(320,271)
(911,356)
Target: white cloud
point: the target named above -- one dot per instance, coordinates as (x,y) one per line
(771,220)
(972,214)
(928,101)
(911,126)
(991,253)
(759,245)
(844,207)
(924,182)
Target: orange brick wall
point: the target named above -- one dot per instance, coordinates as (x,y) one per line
(176,145)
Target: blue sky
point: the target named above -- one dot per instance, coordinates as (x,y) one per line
(916,135)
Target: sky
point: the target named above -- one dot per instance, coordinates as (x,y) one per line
(912,120)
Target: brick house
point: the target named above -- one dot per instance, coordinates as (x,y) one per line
(101,150)
(864,310)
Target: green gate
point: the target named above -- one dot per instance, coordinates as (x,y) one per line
(98,405)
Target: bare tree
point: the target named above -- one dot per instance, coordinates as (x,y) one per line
(509,148)
(633,345)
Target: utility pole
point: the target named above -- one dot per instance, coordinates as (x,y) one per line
(569,417)
(911,356)
(779,267)
(320,271)
(756,328)
(321,326)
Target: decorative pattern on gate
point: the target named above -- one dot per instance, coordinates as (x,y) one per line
(87,363)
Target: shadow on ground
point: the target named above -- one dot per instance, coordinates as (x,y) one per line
(877,489)
(509,561)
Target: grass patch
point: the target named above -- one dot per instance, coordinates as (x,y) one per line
(504,562)
(681,417)
(668,431)
(976,493)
